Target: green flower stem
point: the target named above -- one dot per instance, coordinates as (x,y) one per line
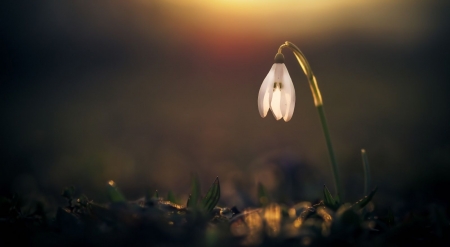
(366,171)
(334,166)
(319,105)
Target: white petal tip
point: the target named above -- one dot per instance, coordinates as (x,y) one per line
(275,116)
(263,113)
(287,118)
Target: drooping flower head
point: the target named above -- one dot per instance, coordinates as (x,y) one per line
(277,92)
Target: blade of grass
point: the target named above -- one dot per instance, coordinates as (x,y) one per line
(171,197)
(263,197)
(328,199)
(212,196)
(365,161)
(195,192)
(113,192)
(363,202)
(189,203)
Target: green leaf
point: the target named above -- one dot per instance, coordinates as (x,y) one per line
(195,192)
(212,197)
(328,199)
(363,202)
(113,192)
(171,197)
(263,197)
(156,195)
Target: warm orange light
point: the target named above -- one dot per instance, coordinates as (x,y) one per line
(272,216)
(254,223)
(283,17)
(327,220)
(325,215)
(298,222)
(292,213)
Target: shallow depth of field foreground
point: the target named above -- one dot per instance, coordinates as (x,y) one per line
(201,123)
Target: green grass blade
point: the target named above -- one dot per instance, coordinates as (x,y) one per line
(113,192)
(328,198)
(189,203)
(195,192)
(212,197)
(363,202)
(171,197)
(365,161)
(263,197)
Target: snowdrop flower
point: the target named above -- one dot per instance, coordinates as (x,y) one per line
(277,92)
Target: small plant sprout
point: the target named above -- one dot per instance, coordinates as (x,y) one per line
(277,94)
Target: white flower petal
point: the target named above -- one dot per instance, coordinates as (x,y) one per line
(279,72)
(265,92)
(283,101)
(275,104)
(289,92)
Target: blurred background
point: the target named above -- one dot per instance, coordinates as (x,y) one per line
(149,93)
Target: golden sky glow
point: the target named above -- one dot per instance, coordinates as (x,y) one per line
(282,17)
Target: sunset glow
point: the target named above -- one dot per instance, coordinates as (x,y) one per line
(284,16)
